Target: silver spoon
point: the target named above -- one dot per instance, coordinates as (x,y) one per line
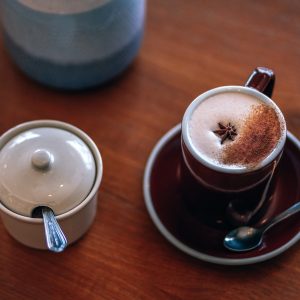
(247,238)
(56,240)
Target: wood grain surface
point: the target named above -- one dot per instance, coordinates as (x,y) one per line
(189,47)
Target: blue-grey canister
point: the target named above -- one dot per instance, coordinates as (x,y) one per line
(73,44)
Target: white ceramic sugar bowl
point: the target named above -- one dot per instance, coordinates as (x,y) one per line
(48,164)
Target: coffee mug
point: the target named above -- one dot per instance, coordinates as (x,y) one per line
(73,44)
(232,141)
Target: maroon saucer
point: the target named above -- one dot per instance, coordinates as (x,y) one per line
(165,204)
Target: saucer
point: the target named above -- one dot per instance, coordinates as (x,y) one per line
(163,197)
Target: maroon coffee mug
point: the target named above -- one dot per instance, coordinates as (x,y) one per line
(221,195)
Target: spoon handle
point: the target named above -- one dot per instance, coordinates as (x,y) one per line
(285,214)
(56,240)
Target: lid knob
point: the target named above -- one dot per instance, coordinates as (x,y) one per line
(41,159)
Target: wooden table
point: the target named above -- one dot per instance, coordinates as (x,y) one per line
(189,47)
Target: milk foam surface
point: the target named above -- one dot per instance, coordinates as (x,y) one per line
(227,107)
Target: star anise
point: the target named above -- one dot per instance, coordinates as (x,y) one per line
(226,132)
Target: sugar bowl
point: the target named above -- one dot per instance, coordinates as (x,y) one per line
(50,173)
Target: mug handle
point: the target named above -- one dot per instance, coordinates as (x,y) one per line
(263,80)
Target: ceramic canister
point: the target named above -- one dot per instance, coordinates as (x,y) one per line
(73,44)
(53,164)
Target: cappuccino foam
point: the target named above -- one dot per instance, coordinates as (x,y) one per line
(257,125)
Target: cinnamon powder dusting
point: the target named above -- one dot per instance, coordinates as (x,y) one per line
(256,139)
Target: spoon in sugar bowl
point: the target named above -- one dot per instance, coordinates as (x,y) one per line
(246,238)
(44,173)
(55,238)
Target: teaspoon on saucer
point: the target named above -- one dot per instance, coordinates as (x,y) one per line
(247,238)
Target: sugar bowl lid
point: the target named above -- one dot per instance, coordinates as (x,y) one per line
(45,166)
